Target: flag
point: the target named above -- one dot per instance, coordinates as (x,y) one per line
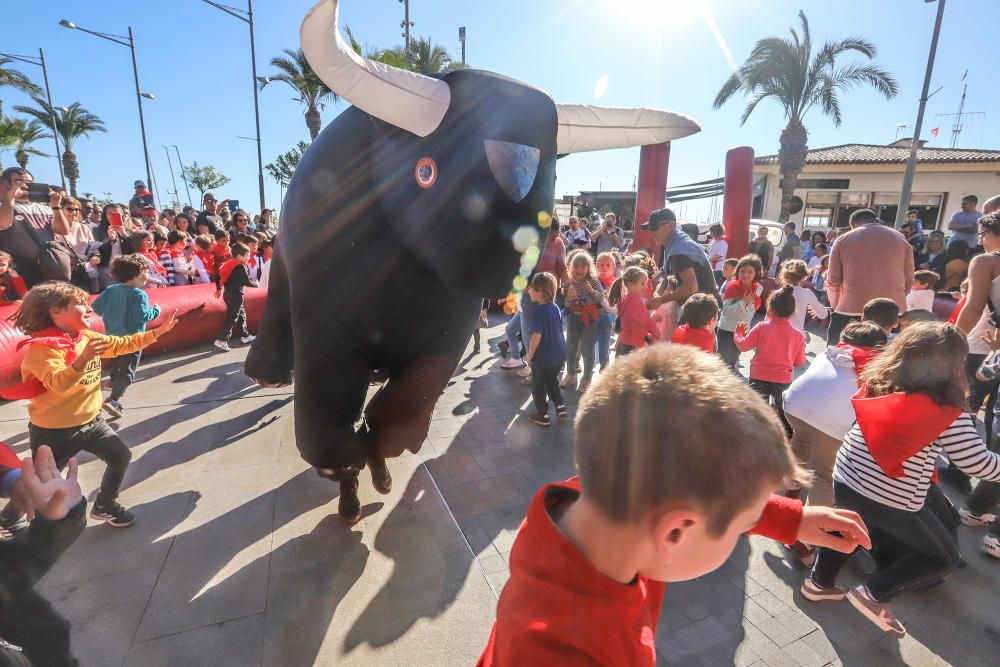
(934,132)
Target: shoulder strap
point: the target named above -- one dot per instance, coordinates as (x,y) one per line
(33,233)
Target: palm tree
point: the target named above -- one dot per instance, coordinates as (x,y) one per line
(295,70)
(71,123)
(788,72)
(12,78)
(31,132)
(424,57)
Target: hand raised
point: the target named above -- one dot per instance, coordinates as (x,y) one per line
(52,496)
(95,347)
(168,324)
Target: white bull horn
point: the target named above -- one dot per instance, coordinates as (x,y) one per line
(583,127)
(407,100)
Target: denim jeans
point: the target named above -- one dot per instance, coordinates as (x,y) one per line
(528,308)
(122,373)
(605,326)
(583,338)
(512,330)
(929,555)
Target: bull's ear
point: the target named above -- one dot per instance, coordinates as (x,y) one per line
(514,167)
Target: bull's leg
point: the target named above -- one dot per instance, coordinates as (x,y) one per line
(399,415)
(271,357)
(330,389)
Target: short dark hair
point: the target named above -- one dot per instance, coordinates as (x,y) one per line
(863,334)
(545,283)
(699,310)
(752,261)
(10,172)
(862,216)
(973,198)
(128,267)
(240,250)
(822,246)
(732,261)
(175,236)
(220,234)
(781,303)
(883,312)
(789,225)
(990,223)
(717,230)
(926,277)
(913,211)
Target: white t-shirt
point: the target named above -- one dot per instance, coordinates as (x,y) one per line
(815,261)
(718,247)
(920,299)
(265,274)
(805,297)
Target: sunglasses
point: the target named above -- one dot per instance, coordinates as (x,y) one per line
(70,208)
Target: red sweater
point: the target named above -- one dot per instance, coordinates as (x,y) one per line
(12,287)
(780,348)
(557,609)
(636,322)
(702,338)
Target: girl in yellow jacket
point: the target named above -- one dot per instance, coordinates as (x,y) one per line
(62,378)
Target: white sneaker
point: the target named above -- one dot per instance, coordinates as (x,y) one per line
(222,345)
(524,372)
(970,518)
(512,363)
(991,545)
(248,339)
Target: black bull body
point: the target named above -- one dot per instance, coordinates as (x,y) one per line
(388,243)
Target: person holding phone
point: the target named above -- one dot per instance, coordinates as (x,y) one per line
(608,236)
(112,233)
(27,224)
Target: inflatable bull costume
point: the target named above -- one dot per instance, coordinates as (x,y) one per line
(425,196)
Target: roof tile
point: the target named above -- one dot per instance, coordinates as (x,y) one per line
(875,154)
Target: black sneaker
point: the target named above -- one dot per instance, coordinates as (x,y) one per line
(542,419)
(561,412)
(956,479)
(349,506)
(113,515)
(114,408)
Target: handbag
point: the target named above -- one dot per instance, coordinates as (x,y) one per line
(56,259)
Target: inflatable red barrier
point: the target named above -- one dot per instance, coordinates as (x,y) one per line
(200,313)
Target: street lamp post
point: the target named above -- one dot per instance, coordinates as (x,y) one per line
(173,180)
(40,62)
(911,161)
(247,17)
(135,71)
(187,188)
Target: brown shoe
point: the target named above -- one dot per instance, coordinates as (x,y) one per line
(349,506)
(381,479)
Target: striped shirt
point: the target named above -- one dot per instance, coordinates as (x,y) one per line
(857,469)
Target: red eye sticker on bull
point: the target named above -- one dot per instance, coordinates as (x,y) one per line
(426,172)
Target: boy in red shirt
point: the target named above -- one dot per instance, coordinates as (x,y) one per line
(701,314)
(676,460)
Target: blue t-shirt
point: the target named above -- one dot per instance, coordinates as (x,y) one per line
(125,310)
(963,218)
(551,350)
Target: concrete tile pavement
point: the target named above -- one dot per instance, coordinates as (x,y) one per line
(238,557)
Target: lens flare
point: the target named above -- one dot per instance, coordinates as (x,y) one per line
(520,283)
(544,219)
(525,238)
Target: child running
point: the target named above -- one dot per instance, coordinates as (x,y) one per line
(885,464)
(546,349)
(779,346)
(739,303)
(233,277)
(651,505)
(701,313)
(62,378)
(125,309)
(637,324)
(795,274)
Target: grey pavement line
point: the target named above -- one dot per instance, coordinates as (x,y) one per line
(199,627)
(224,399)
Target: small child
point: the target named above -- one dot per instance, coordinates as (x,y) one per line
(794,273)
(701,314)
(142,244)
(669,314)
(728,273)
(819,252)
(652,504)
(637,325)
(62,378)
(221,252)
(233,277)
(739,303)
(607,273)
(883,312)
(921,296)
(125,310)
(199,272)
(164,256)
(203,249)
(584,296)
(779,346)
(911,317)
(266,252)
(12,288)
(546,349)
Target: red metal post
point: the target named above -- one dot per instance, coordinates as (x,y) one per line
(652,192)
(737,199)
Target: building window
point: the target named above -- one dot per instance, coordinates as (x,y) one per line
(819,209)
(849,203)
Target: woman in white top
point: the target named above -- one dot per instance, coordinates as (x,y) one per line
(718,248)
(795,273)
(81,240)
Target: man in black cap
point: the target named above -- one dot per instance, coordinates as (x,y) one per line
(142,197)
(683,258)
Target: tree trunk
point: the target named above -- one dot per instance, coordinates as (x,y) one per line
(313,122)
(72,169)
(791,160)
(22,158)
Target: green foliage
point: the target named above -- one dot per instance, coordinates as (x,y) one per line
(12,78)
(295,70)
(204,178)
(282,169)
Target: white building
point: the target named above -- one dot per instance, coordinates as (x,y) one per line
(841,179)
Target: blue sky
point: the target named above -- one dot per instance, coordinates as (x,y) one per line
(656,53)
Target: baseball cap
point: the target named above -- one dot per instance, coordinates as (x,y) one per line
(138,184)
(658,218)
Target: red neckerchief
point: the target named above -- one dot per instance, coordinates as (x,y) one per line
(735,290)
(207,258)
(897,426)
(154,259)
(53,337)
(587,313)
(861,356)
(608,282)
(953,318)
(227,269)
(176,250)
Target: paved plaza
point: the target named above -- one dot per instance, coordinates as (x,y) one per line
(238,557)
